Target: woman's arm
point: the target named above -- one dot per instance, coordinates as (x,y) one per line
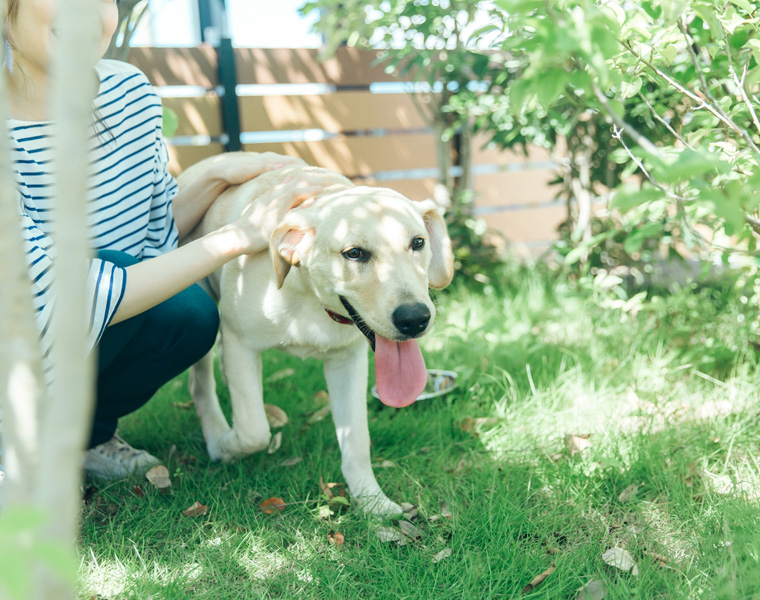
(157,279)
(152,281)
(192,201)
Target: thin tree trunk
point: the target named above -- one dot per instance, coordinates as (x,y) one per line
(21,385)
(44,434)
(464,182)
(64,422)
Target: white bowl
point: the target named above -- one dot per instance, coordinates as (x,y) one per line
(439,382)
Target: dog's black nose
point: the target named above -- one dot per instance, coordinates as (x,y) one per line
(411,319)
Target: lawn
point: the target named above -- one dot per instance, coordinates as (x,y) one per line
(661,407)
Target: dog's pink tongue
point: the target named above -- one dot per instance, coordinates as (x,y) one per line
(400,373)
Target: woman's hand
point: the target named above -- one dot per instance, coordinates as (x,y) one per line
(239,167)
(259,220)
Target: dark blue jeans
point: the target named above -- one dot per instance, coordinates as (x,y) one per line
(139,355)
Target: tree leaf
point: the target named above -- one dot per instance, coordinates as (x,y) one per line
(620,559)
(445,553)
(272,505)
(336,538)
(539,579)
(577,443)
(389,534)
(593,590)
(275,415)
(159,477)
(411,530)
(275,443)
(289,462)
(320,414)
(281,374)
(628,493)
(196,510)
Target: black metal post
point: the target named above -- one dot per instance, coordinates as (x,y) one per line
(228,82)
(212,15)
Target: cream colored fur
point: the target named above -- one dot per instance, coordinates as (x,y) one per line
(278,300)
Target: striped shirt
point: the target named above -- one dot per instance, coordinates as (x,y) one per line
(129,195)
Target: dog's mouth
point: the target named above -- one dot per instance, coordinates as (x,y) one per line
(400,373)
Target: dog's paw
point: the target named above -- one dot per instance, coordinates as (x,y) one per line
(233,445)
(379,506)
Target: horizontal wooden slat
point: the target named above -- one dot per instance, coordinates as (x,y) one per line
(514,187)
(177,66)
(343,111)
(354,156)
(181,157)
(493,155)
(538,224)
(197,116)
(414,189)
(349,67)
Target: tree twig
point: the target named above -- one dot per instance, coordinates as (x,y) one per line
(631,131)
(706,89)
(667,125)
(740,82)
(687,92)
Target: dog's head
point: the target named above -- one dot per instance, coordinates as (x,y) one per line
(369,255)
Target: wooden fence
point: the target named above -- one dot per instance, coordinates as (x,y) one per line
(344,114)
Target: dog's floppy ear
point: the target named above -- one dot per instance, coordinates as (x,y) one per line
(286,245)
(441,269)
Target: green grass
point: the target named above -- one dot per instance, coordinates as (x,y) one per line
(669,398)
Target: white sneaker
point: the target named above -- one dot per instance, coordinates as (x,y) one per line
(115,459)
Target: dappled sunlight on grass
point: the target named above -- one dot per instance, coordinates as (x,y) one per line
(666,468)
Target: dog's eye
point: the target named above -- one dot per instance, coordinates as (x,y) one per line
(355,254)
(418,243)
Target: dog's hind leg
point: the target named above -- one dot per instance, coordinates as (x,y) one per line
(203,390)
(346,376)
(250,428)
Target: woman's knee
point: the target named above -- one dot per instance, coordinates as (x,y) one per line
(194,317)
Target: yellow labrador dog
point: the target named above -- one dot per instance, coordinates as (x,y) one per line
(351,266)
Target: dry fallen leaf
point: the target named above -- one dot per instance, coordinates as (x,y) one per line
(196,510)
(159,477)
(183,405)
(385,464)
(322,397)
(628,493)
(324,512)
(326,489)
(411,530)
(445,511)
(272,505)
(320,414)
(281,374)
(470,423)
(276,417)
(658,558)
(539,579)
(289,462)
(593,590)
(336,538)
(138,491)
(275,443)
(621,559)
(410,510)
(445,553)
(577,442)
(389,534)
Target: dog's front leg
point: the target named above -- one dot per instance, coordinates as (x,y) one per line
(346,376)
(250,429)
(203,390)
